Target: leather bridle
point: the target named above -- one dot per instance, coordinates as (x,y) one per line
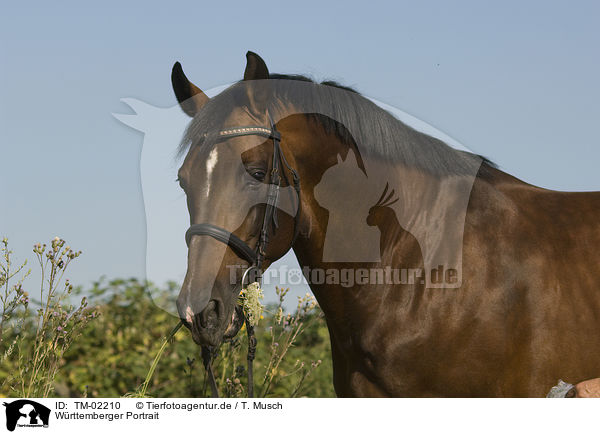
(254,256)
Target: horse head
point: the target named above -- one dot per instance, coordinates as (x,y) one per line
(228,177)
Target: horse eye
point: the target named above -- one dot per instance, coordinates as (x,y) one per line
(258,174)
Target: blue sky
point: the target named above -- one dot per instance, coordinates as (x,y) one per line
(514,81)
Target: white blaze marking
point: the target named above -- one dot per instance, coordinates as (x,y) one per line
(211,162)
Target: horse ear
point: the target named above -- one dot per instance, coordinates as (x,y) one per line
(254,78)
(190,98)
(256,68)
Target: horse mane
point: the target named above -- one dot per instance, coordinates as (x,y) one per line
(356,121)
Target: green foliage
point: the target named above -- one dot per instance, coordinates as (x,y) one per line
(120,347)
(38,340)
(115,353)
(292,358)
(113,356)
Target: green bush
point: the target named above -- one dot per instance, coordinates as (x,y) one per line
(107,350)
(114,353)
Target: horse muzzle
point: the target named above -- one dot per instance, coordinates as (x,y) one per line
(205,326)
(213,324)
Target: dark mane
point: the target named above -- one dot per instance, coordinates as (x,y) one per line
(300,77)
(344,112)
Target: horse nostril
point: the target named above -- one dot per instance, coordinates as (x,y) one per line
(210,315)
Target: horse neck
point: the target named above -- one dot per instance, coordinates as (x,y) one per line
(398,250)
(333,171)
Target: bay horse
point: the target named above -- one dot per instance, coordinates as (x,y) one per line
(514,306)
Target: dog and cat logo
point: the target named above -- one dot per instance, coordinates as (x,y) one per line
(26,413)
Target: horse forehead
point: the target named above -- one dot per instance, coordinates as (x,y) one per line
(241,115)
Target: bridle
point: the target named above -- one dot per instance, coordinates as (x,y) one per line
(254,256)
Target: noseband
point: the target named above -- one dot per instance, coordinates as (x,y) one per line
(254,256)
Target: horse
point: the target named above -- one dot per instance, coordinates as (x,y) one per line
(479,285)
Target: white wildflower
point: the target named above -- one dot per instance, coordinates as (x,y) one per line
(250,297)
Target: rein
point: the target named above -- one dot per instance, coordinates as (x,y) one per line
(207,357)
(254,256)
